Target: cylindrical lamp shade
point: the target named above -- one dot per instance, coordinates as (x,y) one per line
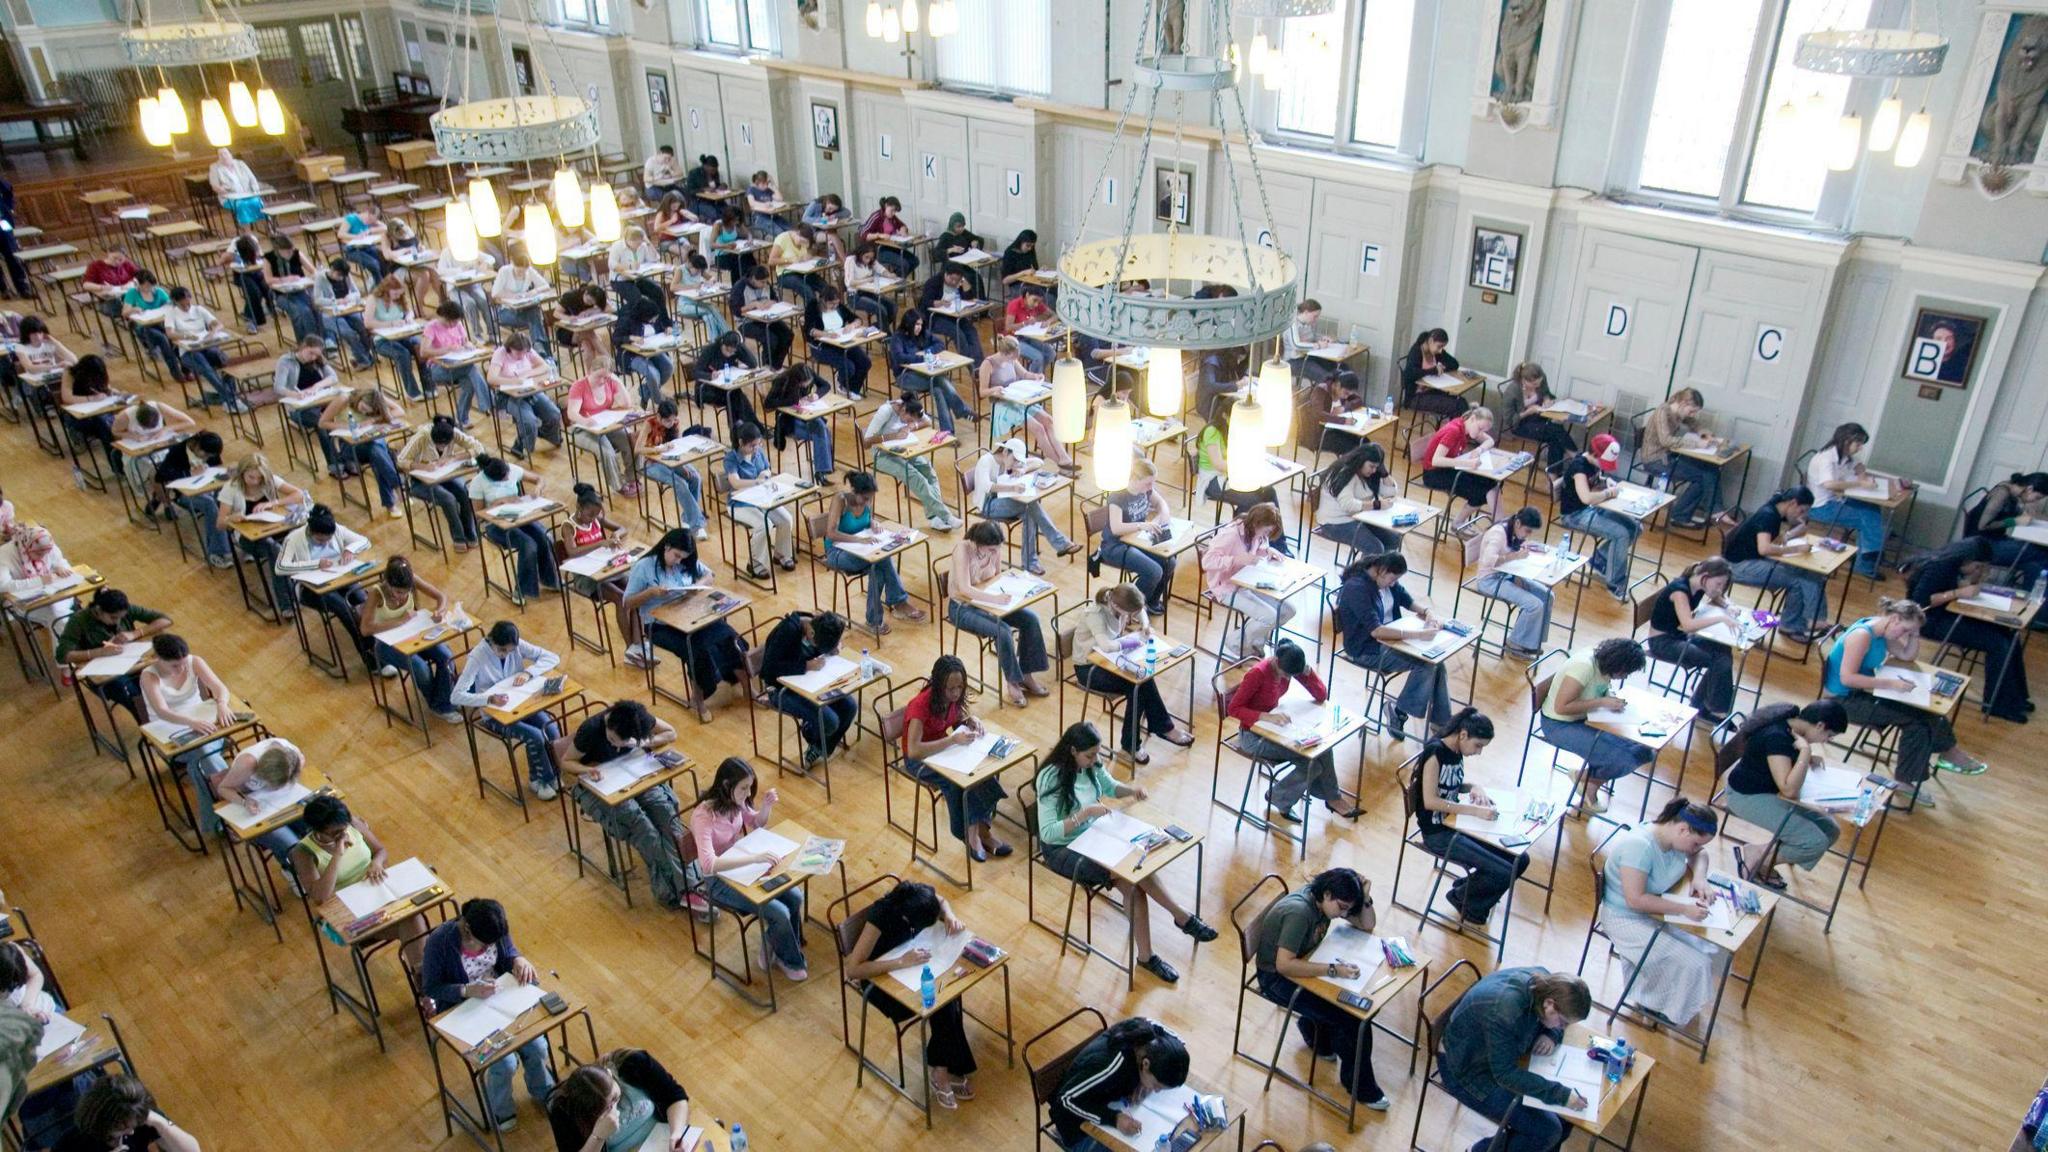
(173,110)
(214,119)
(1913,139)
(458,230)
(1113,446)
(892,26)
(874,19)
(604,213)
(539,234)
(1846,142)
(1884,127)
(1276,402)
(1244,458)
(242,105)
(910,22)
(1163,382)
(1069,400)
(269,113)
(156,128)
(568,198)
(483,208)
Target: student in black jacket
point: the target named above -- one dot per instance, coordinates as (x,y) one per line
(615,1102)
(890,923)
(1429,356)
(1113,1072)
(798,645)
(953,285)
(728,351)
(1957,572)
(755,290)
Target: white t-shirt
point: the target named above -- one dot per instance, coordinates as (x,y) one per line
(1827,468)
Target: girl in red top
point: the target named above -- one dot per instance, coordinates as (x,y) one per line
(1461,441)
(936,719)
(1259,693)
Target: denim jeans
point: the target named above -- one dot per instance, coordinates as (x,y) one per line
(879,311)
(471,389)
(1534,1129)
(433,672)
(1037,357)
(817,432)
(1806,594)
(298,308)
(713,320)
(1328,1030)
(946,405)
(348,331)
(309,419)
(1867,520)
(255,298)
(687,484)
(1425,695)
(1142,702)
(528,318)
(1607,756)
(1490,871)
(1296,775)
(1020,652)
(154,339)
(533,417)
(205,510)
(964,806)
(202,764)
(453,504)
(850,365)
(207,363)
(823,725)
(535,732)
(918,477)
(1698,485)
(965,336)
(1263,616)
(884,585)
(401,354)
(532,1058)
(341,608)
(1152,574)
(534,554)
(1617,535)
(649,822)
(782,918)
(376,456)
(654,372)
(1031,514)
(1531,602)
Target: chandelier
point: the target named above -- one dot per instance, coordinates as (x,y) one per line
(1268,63)
(889,23)
(521,130)
(1174,291)
(1895,55)
(218,37)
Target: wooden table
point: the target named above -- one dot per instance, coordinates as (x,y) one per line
(1306,729)
(690,614)
(1282,578)
(1548,571)
(1133,868)
(533,1024)
(990,767)
(851,681)
(953,985)
(534,705)
(1823,561)
(1388,983)
(618,864)
(459,626)
(333,923)
(765,496)
(353,572)
(1717,454)
(97,1048)
(741,979)
(166,776)
(1633,1086)
(509,586)
(1668,718)
(680,453)
(2017,617)
(1522,816)
(1113,1138)
(248,872)
(19,608)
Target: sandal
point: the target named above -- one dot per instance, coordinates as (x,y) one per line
(1187,739)
(943,1097)
(910,612)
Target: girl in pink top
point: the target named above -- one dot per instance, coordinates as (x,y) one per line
(597,393)
(1246,541)
(444,334)
(718,823)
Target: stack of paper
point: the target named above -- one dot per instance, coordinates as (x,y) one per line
(267,806)
(513,509)
(1158,1114)
(835,669)
(604,421)
(1987,599)
(594,561)
(1571,1066)
(1348,944)
(1827,786)
(965,758)
(469,1022)
(60,1031)
(198,480)
(440,472)
(400,881)
(1111,838)
(266,516)
(945,948)
(760,840)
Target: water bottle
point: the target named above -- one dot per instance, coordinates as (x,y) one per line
(738,1143)
(1617,1062)
(351,423)
(1151,656)
(2040,586)
(78,477)
(927,988)
(931,358)
(1663,482)
(867,664)
(1864,800)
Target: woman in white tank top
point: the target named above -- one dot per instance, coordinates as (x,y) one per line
(181,689)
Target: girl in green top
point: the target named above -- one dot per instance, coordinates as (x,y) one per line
(1581,690)
(339,850)
(1071,789)
(1210,466)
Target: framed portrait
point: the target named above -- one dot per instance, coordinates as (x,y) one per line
(825,126)
(657,96)
(1496,259)
(1943,348)
(1173,191)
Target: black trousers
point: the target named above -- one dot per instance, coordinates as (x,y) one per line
(1327,1029)
(1150,706)
(1472,489)
(947,1047)
(1556,439)
(1994,642)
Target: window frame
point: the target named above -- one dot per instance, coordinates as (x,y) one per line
(592,23)
(1264,106)
(749,44)
(994,10)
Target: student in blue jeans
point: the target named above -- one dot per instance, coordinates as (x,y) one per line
(852,516)
(1582,689)
(793,386)
(505,660)
(1509,1014)
(498,483)
(397,595)
(462,960)
(1832,472)
(1586,485)
(799,644)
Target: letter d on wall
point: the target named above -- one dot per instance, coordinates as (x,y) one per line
(1617,320)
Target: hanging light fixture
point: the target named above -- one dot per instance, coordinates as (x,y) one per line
(892,26)
(1069,400)
(155,129)
(568,197)
(1913,139)
(1884,127)
(214,119)
(1113,446)
(269,113)
(944,19)
(458,227)
(539,234)
(874,20)
(1276,402)
(1163,386)
(910,22)
(1261,53)
(1786,114)
(242,104)
(1244,458)
(1847,141)
(604,212)
(173,110)
(483,208)
(214,36)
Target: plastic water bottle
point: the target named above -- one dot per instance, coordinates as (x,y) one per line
(78,477)
(739,1138)
(2040,591)
(867,664)
(927,988)
(1558,559)
(1663,482)
(351,423)
(1864,800)
(1617,1062)
(1151,656)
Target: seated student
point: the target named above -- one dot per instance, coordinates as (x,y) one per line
(799,644)
(1584,486)
(389,310)
(1244,542)
(303,370)
(1003,368)
(1672,425)
(1509,1014)
(1435,793)
(535,415)
(886,221)
(1025,309)
(746,464)
(433,446)
(616,1102)
(182,461)
(472,299)
(1001,477)
(1113,622)
(827,210)
(1779,743)
(693,274)
(108,622)
(21,984)
(852,513)
(358,231)
(652,821)
(368,408)
(1938,579)
(1288,932)
(1301,337)
(1509,540)
(1854,672)
(1020,256)
(1018,637)
(117,1114)
(1359,481)
(1754,550)
(662,174)
(794,246)
(252,487)
(188,322)
(1110,1076)
(792,387)
(1581,689)
(243,262)
(462,960)
(891,922)
(505,659)
(683,480)
(339,850)
(182,689)
(321,545)
(1138,513)
(627,259)
(445,335)
(1680,973)
(1332,396)
(1429,356)
(496,483)
(335,289)
(2006,505)
(146,295)
(826,314)
(1460,440)
(867,281)
(285,262)
(726,353)
(1832,471)
(896,420)
(713,654)
(392,601)
(726,814)
(937,719)
(956,239)
(753,292)
(952,287)
(30,562)
(598,392)
(1073,788)
(590,527)
(1256,696)
(1528,394)
(1690,604)
(519,278)
(1369,602)
(144,421)
(257,773)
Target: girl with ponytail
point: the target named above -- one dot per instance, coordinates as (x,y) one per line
(1437,790)
(1779,743)
(1112,1072)
(1680,970)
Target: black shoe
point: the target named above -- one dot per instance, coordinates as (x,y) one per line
(1194,926)
(1398,724)
(1160,968)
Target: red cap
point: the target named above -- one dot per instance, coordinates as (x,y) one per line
(1607,451)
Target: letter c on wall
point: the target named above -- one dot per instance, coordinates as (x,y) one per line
(1770,343)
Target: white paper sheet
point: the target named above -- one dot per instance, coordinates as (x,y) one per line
(266,807)
(759,840)
(766,493)
(1018,586)
(834,668)
(400,881)
(657,1140)
(965,758)
(415,626)
(61,1030)
(1920,695)
(1111,838)
(945,946)
(470,1021)
(513,509)
(1831,787)
(318,577)
(169,731)
(615,776)
(1720,917)
(197,480)
(1571,1066)
(1992,601)
(1159,1114)
(1343,942)
(1278,573)
(516,694)
(594,561)
(119,664)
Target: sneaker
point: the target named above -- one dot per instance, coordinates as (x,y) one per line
(1962,763)
(793,975)
(508,1124)
(1194,927)
(642,655)
(546,790)
(1381,1104)
(1157,965)
(703,533)
(449,717)
(395,512)
(220,561)
(251,327)
(389,672)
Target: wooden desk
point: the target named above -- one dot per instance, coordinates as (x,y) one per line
(741,980)
(851,682)
(1386,984)
(1115,1140)
(98,1047)
(353,572)
(1633,1086)
(246,862)
(1136,866)
(598,786)
(459,626)
(533,1024)
(2018,618)
(533,705)
(166,776)
(953,985)
(990,767)
(1666,718)
(18,609)
(1549,570)
(690,614)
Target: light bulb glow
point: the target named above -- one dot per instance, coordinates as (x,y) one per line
(1261,54)
(949,20)
(892,26)
(910,21)
(1846,142)
(1786,115)
(269,113)
(539,234)
(242,105)
(483,208)
(568,198)
(1163,387)
(1272,77)
(1069,400)
(156,128)
(458,230)
(874,19)
(1276,401)
(173,110)
(1244,458)
(1913,139)
(215,120)
(1884,127)
(604,212)
(1113,446)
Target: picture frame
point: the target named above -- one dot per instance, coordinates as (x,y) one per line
(1496,259)
(1942,347)
(1173,195)
(522,70)
(824,127)
(657,96)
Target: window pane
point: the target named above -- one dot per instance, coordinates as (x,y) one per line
(1789,166)
(576,10)
(722,22)
(1383,54)
(1699,95)
(761,25)
(1001,45)
(1307,100)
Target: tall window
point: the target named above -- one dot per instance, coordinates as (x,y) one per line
(587,13)
(1344,78)
(1001,46)
(735,25)
(1732,122)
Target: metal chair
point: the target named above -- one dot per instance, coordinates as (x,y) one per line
(1223,685)
(1411,837)
(1047,1077)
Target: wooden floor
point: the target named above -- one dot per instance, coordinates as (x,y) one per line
(1915,1024)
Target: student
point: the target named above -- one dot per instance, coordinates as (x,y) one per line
(1289,931)
(1020,256)
(429,448)
(1073,787)
(368,409)
(885,221)
(693,273)
(895,420)
(516,279)
(701,179)
(752,292)
(462,960)
(1018,637)
(182,689)
(30,562)
(1779,743)
(746,465)
(2008,504)
(472,299)
(1461,440)
(714,654)
(1001,478)
(1333,396)
(867,284)
(254,777)
(1438,791)
(683,480)
(628,256)
(189,323)
(1581,689)
(1940,578)
(793,387)
(109,621)
(1508,540)
(149,422)
(320,544)
(334,289)
(362,231)
(1255,697)
(391,602)
(445,335)
(1528,394)
(1582,490)
(1109,624)
(498,483)
(1508,1014)
(1370,600)
(1679,974)
(852,516)
(826,314)
(1246,541)
(338,851)
(726,814)
(1300,338)
(253,487)
(243,261)
(1672,425)
(39,351)
(889,923)
(726,353)
(913,343)
(597,392)
(937,719)
(652,821)
(302,371)
(1429,356)
(957,238)
(827,210)
(1833,470)
(1138,513)
(1025,309)
(284,262)
(726,235)
(401,244)
(662,174)
(1358,482)
(535,415)
(389,310)
(800,643)
(145,295)
(614,1103)
(505,659)
(1855,670)
(1110,1076)
(953,287)
(240,192)
(1002,369)
(1755,551)
(794,246)
(104,277)
(117,1114)
(590,527)
(1211,468)
(1694,602)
